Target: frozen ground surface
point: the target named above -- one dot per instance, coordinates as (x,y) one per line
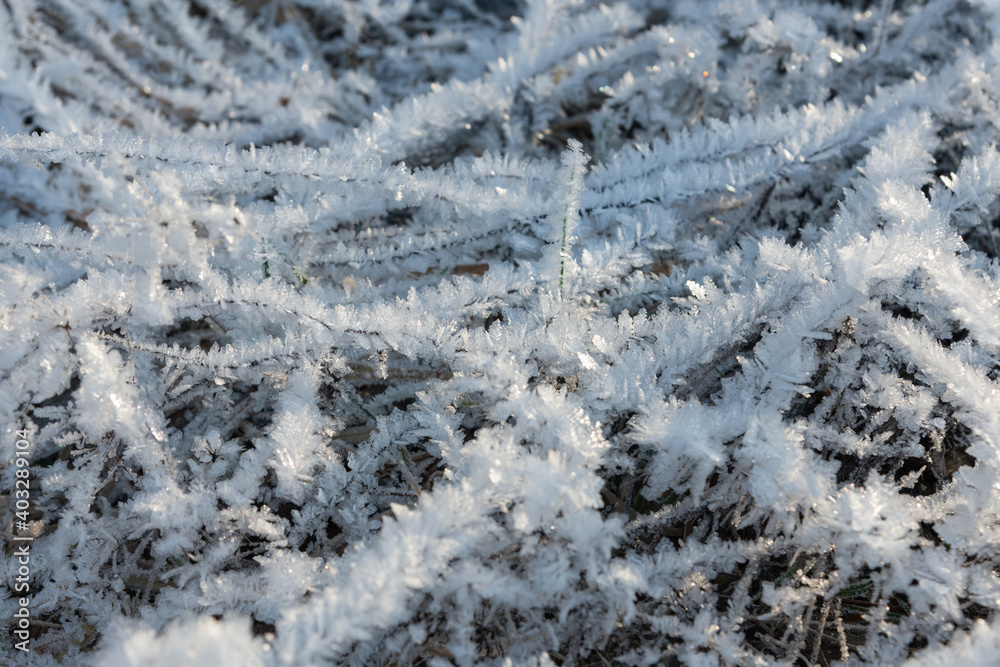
(550,333)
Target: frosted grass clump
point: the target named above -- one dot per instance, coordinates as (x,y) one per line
(501,333)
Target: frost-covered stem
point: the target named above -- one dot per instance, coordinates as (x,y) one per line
(356,400)
(405,465)
(574,161)
(885,12)
(562,255)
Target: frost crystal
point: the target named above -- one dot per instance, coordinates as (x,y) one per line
(507,332)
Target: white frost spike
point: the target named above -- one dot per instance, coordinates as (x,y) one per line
(564,219)
(294,441)
(106,400)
